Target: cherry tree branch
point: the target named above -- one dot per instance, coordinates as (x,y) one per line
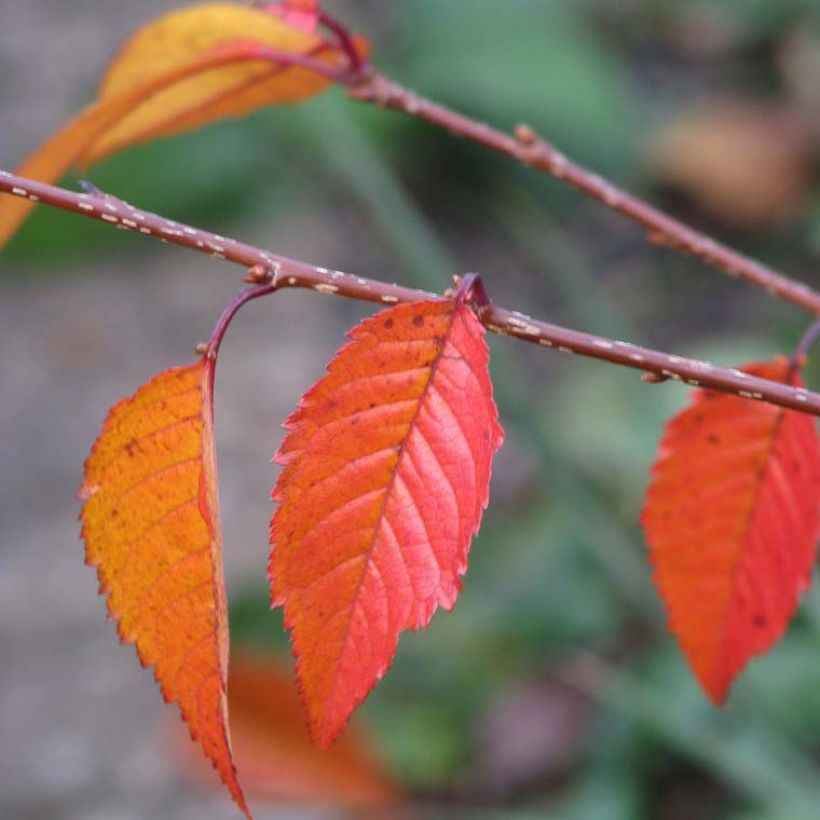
(529,148)
(273,272)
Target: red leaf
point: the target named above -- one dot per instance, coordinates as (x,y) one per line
(151,528)
(731,518)
(387,470)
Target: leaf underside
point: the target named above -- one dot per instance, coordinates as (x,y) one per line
(731,519)
(386,474)
(151,528)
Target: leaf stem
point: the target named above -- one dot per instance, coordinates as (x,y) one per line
(529,148)
(285,272)
(211,348)
(801,353)
(471,289)
(345,40)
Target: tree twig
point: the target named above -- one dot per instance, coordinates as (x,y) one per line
(283,272)
(529,148)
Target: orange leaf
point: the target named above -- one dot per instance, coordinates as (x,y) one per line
(151,528)
(731,518)
(172,41)
(64,149)
(180,72)
(387,469)
(274,754)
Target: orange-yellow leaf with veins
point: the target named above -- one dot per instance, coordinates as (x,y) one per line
(183,70)
(231,91)
(151,528)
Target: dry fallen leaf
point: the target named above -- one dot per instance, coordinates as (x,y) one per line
(274,754)
(743,163)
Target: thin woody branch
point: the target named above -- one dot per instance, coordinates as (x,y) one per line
(529,148)
(275,271)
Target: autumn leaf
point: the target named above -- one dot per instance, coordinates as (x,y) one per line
(232,91)
(744,163)
(180,72)
(386,473)
(151,528)
(274,754)
(731,518)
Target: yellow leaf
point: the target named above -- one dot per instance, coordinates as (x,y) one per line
(170,42)
(181,71)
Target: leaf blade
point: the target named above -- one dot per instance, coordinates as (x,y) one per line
(180,72)
(70,145)
(173,40)
(731,520)
(386,474)
(151,528)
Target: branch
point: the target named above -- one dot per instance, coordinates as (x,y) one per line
(527,147)
(281,272)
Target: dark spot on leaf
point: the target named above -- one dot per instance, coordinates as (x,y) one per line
(418,321)
(131,448)
(713,439)
(760,620)
(389,323)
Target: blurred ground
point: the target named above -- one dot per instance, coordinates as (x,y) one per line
(553,690)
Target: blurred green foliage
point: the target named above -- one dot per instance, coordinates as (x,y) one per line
(558,580)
